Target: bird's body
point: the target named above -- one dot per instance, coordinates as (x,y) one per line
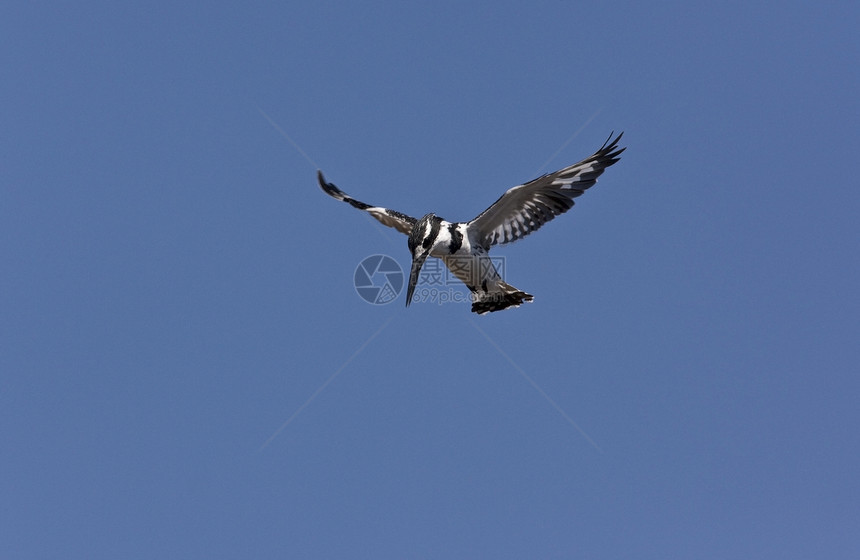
(461,249)
(464,246)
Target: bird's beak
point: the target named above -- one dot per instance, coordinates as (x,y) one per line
(417,263)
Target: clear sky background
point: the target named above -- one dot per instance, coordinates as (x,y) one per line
(174,286)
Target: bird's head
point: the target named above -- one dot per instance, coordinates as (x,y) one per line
(421,239)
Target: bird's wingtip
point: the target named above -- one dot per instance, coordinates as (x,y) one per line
(610,141)
(324,185)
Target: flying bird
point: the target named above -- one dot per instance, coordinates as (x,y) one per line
(464,246)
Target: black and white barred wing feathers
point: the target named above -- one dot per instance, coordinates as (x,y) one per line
(391,218)
(525,208)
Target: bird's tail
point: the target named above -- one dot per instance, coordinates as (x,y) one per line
(508,296)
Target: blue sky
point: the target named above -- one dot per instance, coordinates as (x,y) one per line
(175,287)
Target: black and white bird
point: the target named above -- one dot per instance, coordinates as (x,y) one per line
(464,246)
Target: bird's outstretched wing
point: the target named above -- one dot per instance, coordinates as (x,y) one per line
(390,218)
(525,208)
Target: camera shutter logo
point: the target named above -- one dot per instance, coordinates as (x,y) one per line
(378,279)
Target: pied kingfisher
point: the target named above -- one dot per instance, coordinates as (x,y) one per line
(464,246)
